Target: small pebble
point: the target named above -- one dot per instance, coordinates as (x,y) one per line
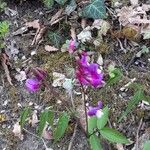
(33,53)
(4,126)
(23,57)
(124,94)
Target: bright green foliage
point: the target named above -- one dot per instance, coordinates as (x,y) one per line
(113,136)
(4,28)
(24,115)
(46,116)
(92,122)
(137,97)
(49,3)
(55,39)
(61,126)
(95,10)
(115,75)
(95,143)
(147,145)
(102,121)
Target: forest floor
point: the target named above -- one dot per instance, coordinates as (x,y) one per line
(121,51)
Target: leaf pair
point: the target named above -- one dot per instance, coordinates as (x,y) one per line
(48,116)
(107,133)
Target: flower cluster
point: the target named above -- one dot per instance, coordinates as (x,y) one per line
(89,73)
(34,84)
(95,111)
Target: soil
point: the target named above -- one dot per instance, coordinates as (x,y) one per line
(17,97)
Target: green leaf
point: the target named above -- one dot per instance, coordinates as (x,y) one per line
(43,119)
(147,98)
(24,115)
(102,121)
(113,136)
(147,145)
(92,121)
(95,10)
(95,143)
(61,126)
(116,75)
(61,2)
(138,96)
(55,38)
(50,117)
(49,3)
(4,28)
(70,7)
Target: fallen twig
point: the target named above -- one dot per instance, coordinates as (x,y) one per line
(73,136)
(137,134)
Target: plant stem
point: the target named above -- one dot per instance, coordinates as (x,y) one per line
(85,110)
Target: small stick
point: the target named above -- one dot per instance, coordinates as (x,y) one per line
(137,134)
(73,136)
(85,109)
(131,61)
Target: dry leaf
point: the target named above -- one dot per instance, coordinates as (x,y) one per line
(47,134)
(58,79)
(119,147)
(2,117)
(20,31)
(17,131)
(102,25)
(85,35)
(100,60)
(83,23)
(21,76)
(40,30)
(49,48)
(38,35)
(132,15)
(134,2)
(5,62)
(130,33)
(34,24)
(34,119)
(73,33)
(81,116)
(56,16)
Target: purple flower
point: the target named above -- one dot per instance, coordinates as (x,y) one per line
(72,46)
(95,111)
(33,85)
(89,74)
(39,74)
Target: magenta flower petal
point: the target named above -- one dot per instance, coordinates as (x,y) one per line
(32,85)
(40,74)
(92,111)
(89,74)
(72,46)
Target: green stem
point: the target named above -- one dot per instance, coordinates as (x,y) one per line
(85,110)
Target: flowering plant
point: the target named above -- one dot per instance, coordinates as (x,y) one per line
(33,84)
